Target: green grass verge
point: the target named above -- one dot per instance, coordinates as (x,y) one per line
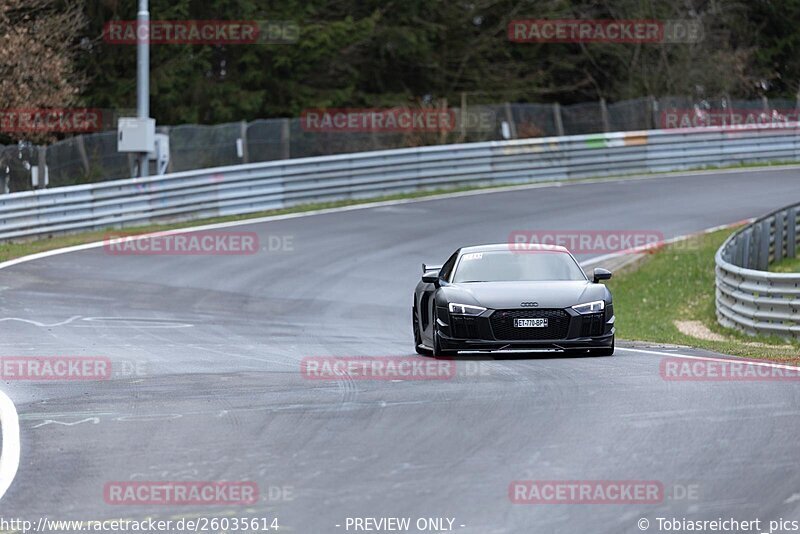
(677,283)
(786,265)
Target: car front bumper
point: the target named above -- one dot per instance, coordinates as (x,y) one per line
(493,331)
(481,345)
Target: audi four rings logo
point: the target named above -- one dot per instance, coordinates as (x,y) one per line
(530,304)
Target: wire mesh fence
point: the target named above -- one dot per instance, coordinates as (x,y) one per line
(94,157)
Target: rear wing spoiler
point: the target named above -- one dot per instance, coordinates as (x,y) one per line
(426,268)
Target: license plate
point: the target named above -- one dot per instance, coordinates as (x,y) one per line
(531,323)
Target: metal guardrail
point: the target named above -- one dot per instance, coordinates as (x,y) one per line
(748,297)
(243,189)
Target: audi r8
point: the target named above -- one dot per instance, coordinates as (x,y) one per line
(494,298)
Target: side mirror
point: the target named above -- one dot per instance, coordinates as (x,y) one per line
(431,277)
(601,274)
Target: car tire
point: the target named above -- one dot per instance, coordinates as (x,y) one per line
(417,337)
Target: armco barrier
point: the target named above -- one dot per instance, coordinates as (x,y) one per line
(256,187)
(748,297)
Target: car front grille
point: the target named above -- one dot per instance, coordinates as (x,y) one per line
(502,322)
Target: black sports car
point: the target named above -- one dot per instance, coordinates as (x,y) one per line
(495,298)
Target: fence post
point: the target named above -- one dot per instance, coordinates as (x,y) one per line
(557,119)
(286,139)
(512,127)
(656,114)
(797,99)
(82,153)
(604,115)
(443,132)
(652,109)
(463,117)
(44,177)
(726,98)
(243,137)
(166,130)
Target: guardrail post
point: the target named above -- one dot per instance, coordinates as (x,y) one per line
(738,252)
(791,233)
(763,246)
(747,261)
(778,253)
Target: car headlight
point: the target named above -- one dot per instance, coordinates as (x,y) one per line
(465,309)
(590,307)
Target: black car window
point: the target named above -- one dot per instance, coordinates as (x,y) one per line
(508,266)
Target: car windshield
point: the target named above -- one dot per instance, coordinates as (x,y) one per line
(508,266)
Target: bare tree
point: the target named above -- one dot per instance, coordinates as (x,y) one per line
(38,44)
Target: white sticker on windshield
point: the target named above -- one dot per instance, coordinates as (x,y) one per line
(473,256)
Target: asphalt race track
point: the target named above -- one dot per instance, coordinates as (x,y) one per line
(208,352)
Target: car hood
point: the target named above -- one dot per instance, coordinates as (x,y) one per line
(509,295)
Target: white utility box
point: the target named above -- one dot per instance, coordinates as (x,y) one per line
(136,135)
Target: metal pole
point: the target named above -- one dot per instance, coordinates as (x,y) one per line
(143,72)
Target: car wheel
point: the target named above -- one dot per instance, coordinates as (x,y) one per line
(417,337)
(609,351)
